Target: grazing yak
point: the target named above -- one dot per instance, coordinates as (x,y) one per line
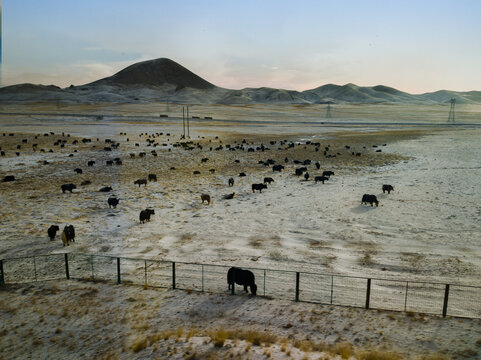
(8,178)
(327,173)
(242,174)
(258,187)
(306,176)
(68,235)
(78,170)
(277,168)
(52,231)
(241,277)
(205,197)
(105,189)
(140,182)
(145,215)
(321,178)
(229,196)
(113,202)
(152,177)
(268,180)
(231,181)
(68,187)
(372,199)
(387,188)
(91,163)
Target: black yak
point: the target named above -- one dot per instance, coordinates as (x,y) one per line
(205,197)
(113,202)
(387,188)
(320,178)
(152,177)
(52,231)
(145,215)
(268,180)
(141,182)
(241,277)
(8,178)
(372,199)
(327,173)
(229,196)
(231,181)
(68,187)
(258,187)
(277,168)
(105,189)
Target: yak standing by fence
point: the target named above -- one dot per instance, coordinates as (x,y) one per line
(241,277)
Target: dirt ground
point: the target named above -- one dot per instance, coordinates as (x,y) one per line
(72,319)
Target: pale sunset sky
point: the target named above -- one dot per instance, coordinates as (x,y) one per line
(415,46)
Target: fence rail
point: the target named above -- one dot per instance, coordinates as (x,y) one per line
(353,291)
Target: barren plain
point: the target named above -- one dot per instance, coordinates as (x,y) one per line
(427,229)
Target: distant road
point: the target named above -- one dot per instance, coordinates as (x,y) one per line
(324,122)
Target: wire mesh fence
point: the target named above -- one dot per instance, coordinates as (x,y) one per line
(382,294)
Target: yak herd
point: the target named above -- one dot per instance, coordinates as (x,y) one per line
(235,275)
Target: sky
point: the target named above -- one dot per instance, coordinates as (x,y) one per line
(415,46)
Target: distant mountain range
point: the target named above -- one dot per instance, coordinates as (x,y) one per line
(163,80)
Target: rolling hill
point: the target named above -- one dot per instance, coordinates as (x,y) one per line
(164,80)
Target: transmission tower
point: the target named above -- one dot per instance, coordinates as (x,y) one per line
(185,122)
(328,111)
(451,116)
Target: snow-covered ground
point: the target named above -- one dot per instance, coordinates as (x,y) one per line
(428,227)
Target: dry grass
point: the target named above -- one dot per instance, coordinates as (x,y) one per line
(377,354)
(366,259)
(139,344)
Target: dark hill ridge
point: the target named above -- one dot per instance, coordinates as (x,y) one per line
(164,80)
(157,72)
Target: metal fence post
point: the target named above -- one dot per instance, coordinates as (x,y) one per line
(264,282)
(173,275)
(446,296)
(202,277)
(406,296)
(119,280)
(297,285)
(2,276)
(67,273)
(368,293)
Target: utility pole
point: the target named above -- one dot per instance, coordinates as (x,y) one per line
(328,111)
(183,123)
(451,116)
(188,124)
